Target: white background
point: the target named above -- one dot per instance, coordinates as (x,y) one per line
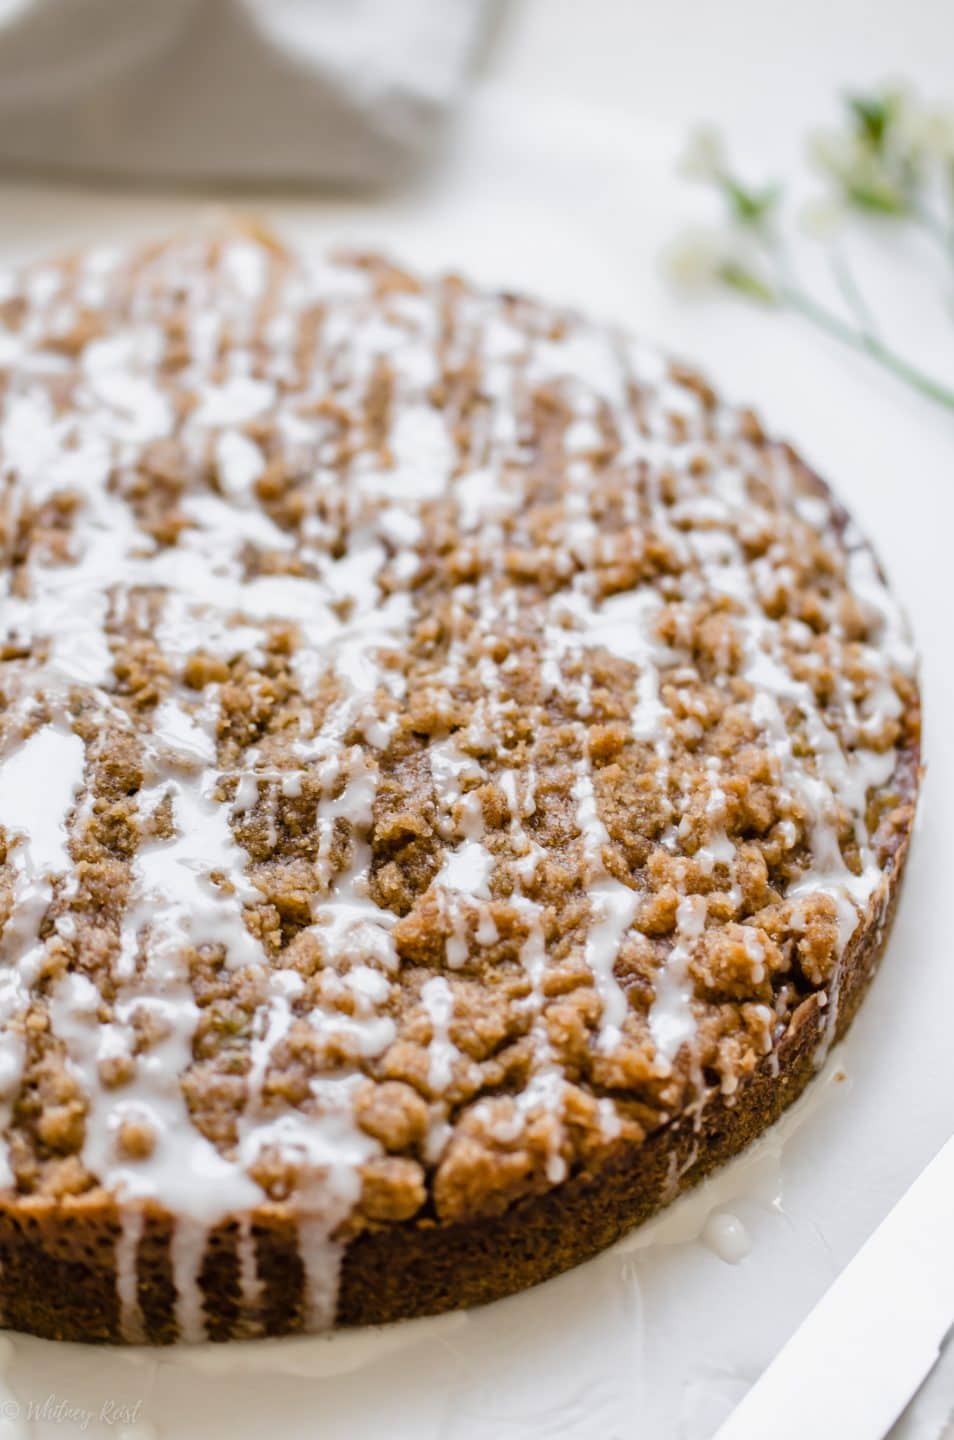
(559,176)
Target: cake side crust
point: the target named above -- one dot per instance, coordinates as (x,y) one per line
(59,1258)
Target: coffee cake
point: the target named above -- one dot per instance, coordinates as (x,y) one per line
(455,774)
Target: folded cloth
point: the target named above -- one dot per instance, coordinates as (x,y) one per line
(279,90)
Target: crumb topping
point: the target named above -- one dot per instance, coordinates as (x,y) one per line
(440,740)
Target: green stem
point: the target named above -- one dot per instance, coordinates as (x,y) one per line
(867,344)
(941,234)
(852,296)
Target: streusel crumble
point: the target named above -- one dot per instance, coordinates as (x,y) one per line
(449,761)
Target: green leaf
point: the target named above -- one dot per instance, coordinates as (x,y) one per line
(738,277)
(882,199)
(747,205)
(873,116)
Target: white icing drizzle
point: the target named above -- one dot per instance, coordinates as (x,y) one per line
(40,780)
(438,1001)
(127,1275)
(727,1237)
(548,1085)
(187,1252)
(671,1019)
(251,1287)
(191,884)
(614,908)
(175,898)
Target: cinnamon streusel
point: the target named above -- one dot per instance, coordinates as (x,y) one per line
(455,774)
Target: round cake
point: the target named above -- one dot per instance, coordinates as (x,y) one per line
(455,776)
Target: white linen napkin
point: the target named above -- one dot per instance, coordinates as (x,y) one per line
(338,91)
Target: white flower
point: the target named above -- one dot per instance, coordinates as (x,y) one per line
(837,155)
(822,218)
(695,260)
(929,131)
(868,178)
(704,156)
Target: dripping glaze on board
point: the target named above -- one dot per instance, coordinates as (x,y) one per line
(755,1178)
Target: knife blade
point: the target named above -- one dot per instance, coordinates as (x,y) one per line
(876,1333)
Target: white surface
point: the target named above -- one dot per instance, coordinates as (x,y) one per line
(862,1371)
(561,179)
